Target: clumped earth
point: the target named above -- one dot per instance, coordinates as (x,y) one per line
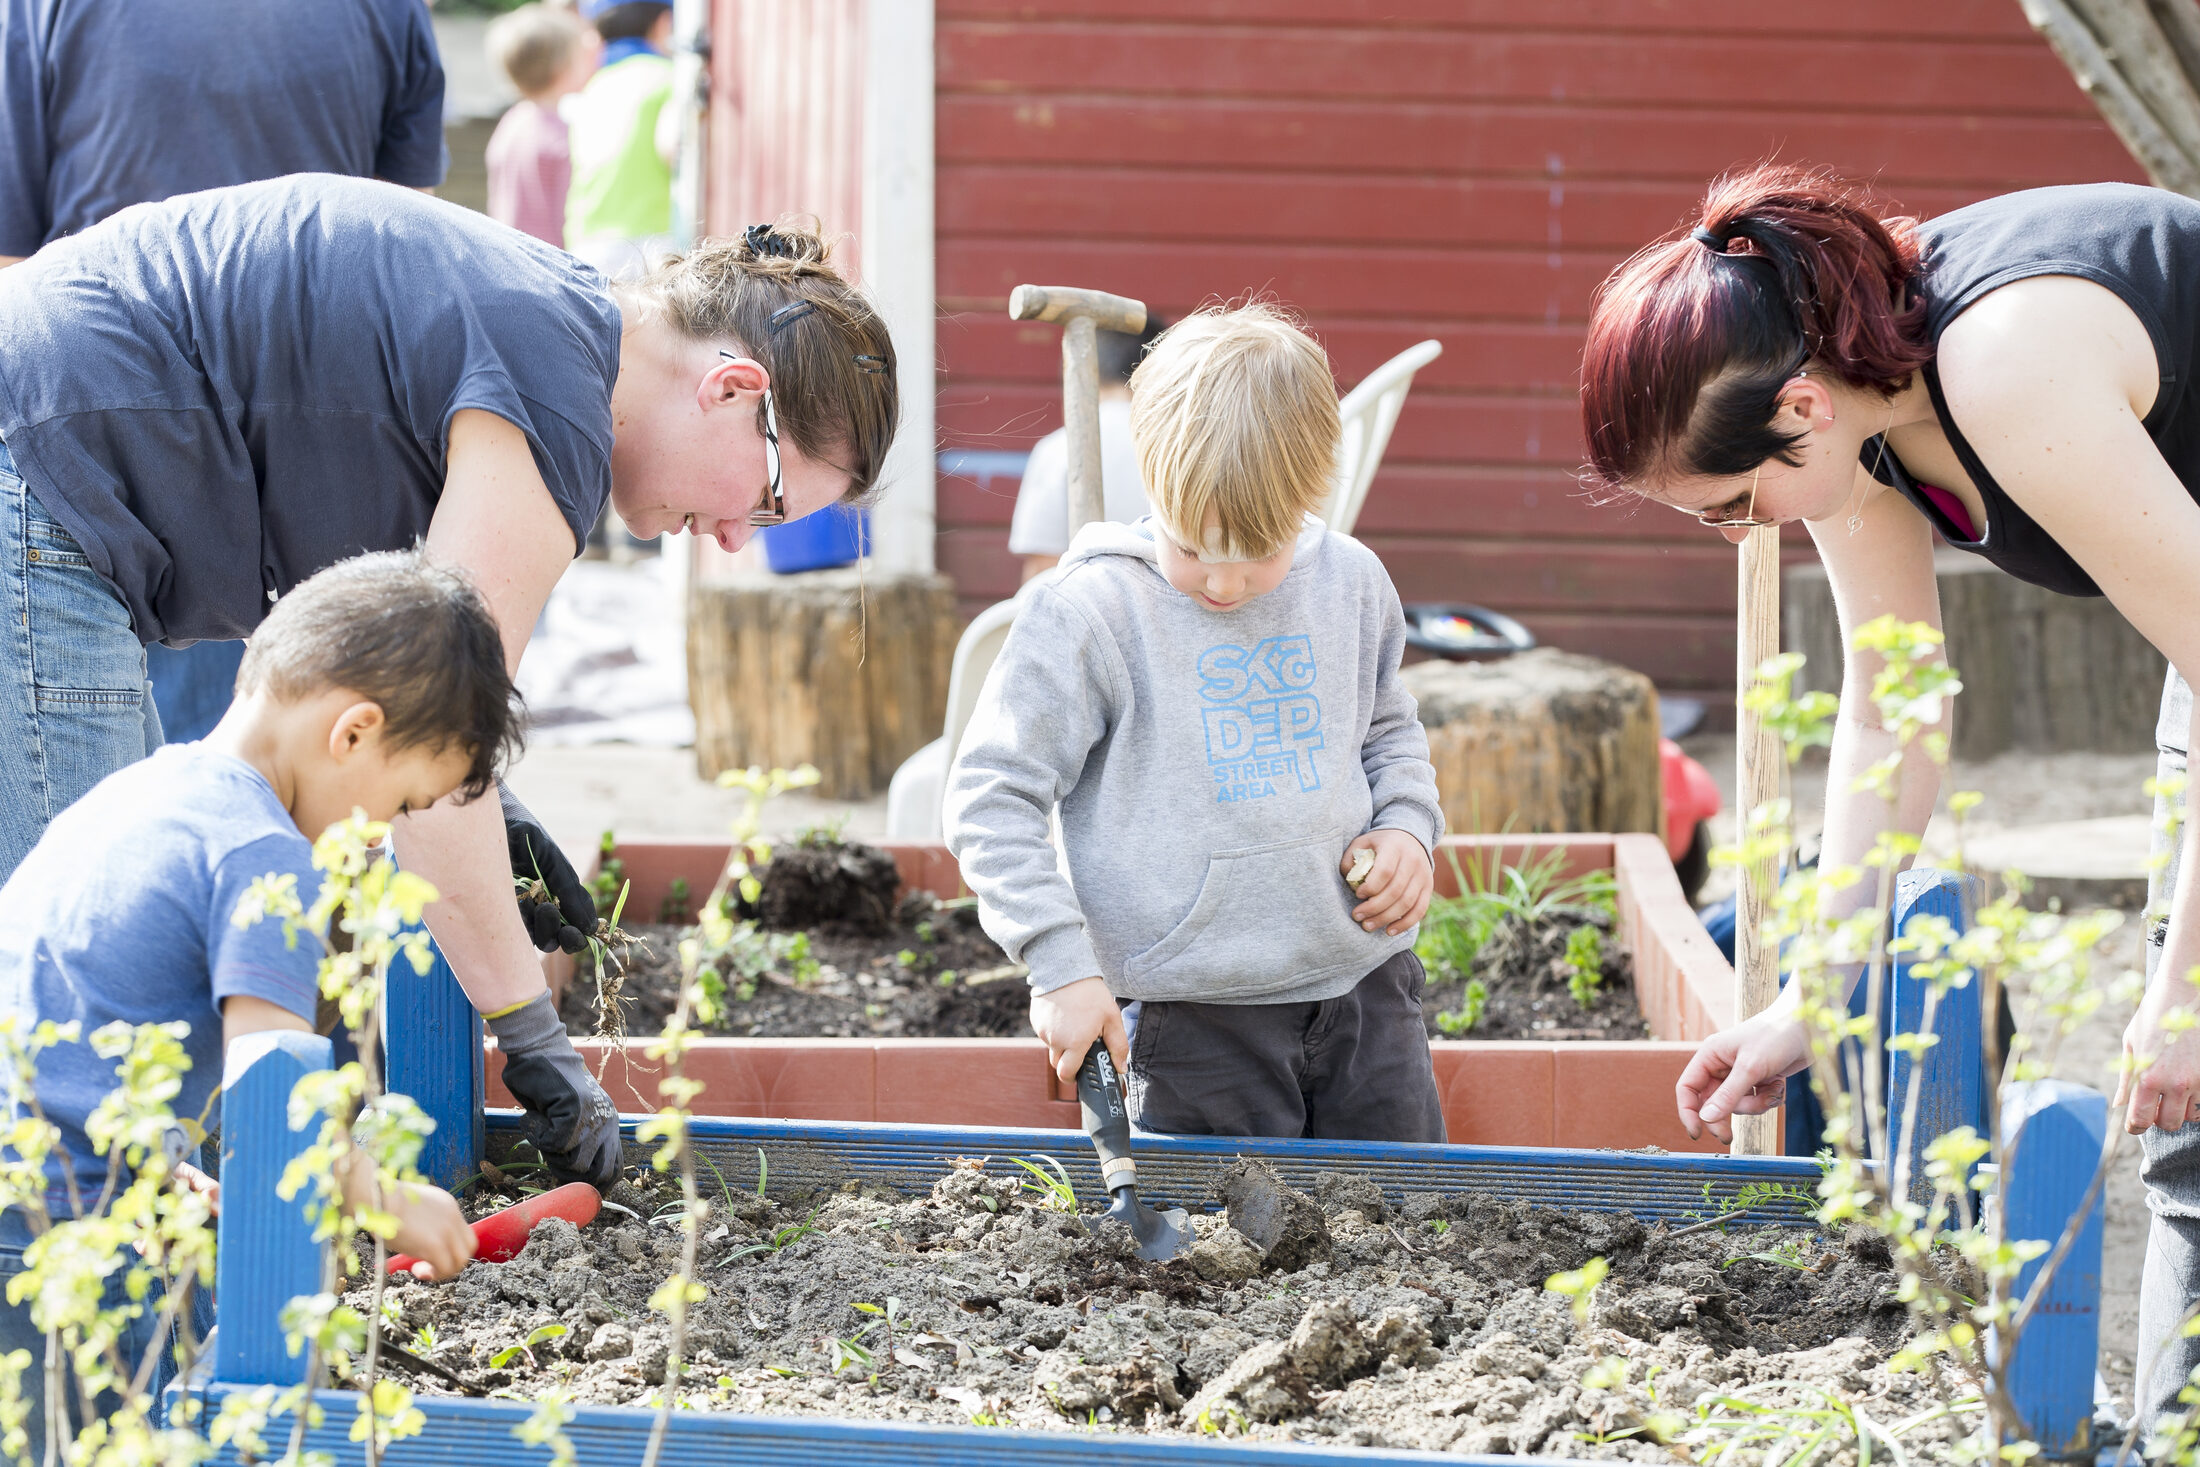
(1330,1317)
(912,966)
(1524,971)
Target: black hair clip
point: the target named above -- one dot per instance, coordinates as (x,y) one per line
(790,313)
(763,243)
(870,366)
(1715,243)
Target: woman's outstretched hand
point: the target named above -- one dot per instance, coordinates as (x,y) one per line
(1740,1071)
(2160,1083)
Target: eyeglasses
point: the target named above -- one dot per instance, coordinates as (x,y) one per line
(771,509)
(1748,519)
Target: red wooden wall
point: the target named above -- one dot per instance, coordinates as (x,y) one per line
(1462,169)
(786,117)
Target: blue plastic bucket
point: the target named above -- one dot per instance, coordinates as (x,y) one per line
(832,536)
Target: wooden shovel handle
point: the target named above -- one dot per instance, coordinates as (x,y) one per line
(1060,302)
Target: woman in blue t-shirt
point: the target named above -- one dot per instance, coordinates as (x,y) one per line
(2013,375)
(204,401)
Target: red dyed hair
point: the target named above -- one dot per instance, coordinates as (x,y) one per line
(1690,345)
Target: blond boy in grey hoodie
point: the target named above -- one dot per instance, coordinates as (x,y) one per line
(1211,698)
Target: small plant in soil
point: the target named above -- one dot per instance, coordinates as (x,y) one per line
(1474,998)
(1584,964)
(1501,953)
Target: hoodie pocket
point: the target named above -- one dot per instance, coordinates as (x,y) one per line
(1267,918)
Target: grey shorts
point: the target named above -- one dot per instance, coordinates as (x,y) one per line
(1351,1068)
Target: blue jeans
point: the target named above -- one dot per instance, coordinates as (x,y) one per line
(2170,1280)
(74,704)
(192,686)
(18,1333)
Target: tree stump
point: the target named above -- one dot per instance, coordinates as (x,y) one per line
(2040,670)
(1543,741)
(843,669)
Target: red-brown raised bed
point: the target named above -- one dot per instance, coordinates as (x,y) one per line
(1496,1092)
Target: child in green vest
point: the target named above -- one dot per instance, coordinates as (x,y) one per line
(618,208)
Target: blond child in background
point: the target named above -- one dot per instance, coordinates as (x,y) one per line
(1211,697)
(549,54)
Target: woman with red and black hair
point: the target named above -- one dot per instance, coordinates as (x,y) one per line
(2015,375)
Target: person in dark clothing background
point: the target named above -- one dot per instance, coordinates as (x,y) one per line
(105,105)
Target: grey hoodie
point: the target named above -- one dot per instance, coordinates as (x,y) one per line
(1211,767)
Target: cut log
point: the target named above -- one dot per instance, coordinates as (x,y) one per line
(2040,671)
(842,669)
(1545,741)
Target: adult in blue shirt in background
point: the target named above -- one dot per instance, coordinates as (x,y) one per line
(207,400)
(105,104)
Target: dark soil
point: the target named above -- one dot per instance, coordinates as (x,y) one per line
(1427,1326)
(870,965)
(1524,972)
(922,968)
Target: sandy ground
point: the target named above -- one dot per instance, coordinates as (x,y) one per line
(581,792)
(645,793)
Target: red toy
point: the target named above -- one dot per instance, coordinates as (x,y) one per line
(499,1236)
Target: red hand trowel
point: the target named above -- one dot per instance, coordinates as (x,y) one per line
(499,1236)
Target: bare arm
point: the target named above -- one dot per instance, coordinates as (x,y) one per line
(1885,568)
(496,520)
(7,260)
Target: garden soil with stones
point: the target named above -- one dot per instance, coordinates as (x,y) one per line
(1330,1318)
(1523,968)
(914,967)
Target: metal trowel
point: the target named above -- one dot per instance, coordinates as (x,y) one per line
(1160,1235)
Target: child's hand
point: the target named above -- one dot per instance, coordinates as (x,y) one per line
(429,1225)
(1395,892)
(1071,1017)
(432,1229)
(194,1180)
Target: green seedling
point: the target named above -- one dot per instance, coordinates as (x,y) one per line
(853,1352)
(820,834)
(905,959)
(1584,964)
(526,1347)
(947,978)
(780,1238)
(610,871)
(925,932)
(424,1340)
(1055,1192)
(1787,1253)
(679,900)
(1474,1001)
(1439,1225)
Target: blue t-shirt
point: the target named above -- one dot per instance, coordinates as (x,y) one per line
(122,911)
(221,394)
(109,103)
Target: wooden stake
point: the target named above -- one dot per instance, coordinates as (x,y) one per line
(1757,783)
(1081,416)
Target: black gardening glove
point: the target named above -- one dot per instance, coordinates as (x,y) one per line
(568,1117)
(568,920)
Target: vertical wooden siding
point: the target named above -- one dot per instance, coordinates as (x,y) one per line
(786,117)
(1462,169)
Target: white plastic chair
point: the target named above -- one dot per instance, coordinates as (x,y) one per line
(1367,414)
(920,784)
